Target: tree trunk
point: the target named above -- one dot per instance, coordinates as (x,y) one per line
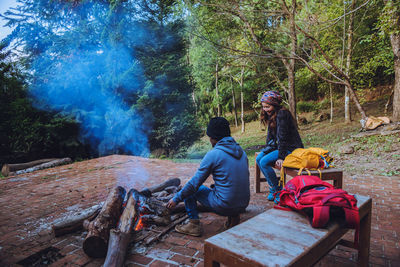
(120,237)
(347,110)
(242,101)
(95,243)
(234,104)
(216,91)
(395,41)
(292,66)
(331,96)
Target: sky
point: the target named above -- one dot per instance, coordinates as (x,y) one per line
(4,6)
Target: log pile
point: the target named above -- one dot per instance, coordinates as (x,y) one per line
(139,217)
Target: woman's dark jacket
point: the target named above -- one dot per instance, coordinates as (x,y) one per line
(286,137)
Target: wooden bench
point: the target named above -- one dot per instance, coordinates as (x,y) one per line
(284,238)
(334,174)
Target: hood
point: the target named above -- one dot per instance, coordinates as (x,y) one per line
(229,145)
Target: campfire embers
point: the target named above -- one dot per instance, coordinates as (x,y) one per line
(143,213)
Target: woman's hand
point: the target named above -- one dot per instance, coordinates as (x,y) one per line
(278,163)
(171,204)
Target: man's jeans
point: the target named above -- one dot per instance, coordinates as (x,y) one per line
(191,202)
(266,162)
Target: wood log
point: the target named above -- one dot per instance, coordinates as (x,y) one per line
(50,164)
(74,222)
(7,168)
(153,238)
(120,237)
(170,182)
(155,219)
(95,243)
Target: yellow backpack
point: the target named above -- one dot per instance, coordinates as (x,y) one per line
(312,158)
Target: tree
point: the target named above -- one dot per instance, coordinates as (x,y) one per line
(390,25)
(112,66)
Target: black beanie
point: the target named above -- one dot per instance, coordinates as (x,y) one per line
(218,128)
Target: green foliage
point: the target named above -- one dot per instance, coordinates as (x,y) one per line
(306,106)
(25,132)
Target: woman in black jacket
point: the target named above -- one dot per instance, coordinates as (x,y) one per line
(282,138)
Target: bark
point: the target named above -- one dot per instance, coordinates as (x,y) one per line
(120,237)
(291,67)
(350,33)
(74,222)
(95,243)
(242,101)
(331,99)
(395,41)
(10,169)
(234,104)
(216,91)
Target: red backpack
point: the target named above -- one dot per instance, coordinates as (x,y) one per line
(320,201)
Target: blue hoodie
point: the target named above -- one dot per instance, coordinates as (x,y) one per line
(228,164)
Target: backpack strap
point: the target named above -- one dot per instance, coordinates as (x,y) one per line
(320,216)
(353,221)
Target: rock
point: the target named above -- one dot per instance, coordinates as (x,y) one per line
(323,117)
(347,149)
(303,121)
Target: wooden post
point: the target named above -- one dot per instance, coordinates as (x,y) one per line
(95,243)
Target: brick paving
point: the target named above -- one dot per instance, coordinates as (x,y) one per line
(31,202)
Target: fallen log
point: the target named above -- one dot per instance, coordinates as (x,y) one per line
(120,237)
(95,243)
(74,222)
(50,164)
(7,168)
(170,182)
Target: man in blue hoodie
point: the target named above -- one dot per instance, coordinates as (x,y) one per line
(229,166)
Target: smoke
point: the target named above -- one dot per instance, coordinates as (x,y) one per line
(94,78)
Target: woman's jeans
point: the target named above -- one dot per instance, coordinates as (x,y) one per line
(191,202)
(266,162)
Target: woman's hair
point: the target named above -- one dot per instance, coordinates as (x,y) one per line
(270,121)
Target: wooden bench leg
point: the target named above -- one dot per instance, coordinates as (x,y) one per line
(208,258)
(258,181)
(365,238)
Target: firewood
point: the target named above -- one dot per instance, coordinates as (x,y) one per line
(120,237)
(154,238)
(95,243)
(155,219)
(170,182)
(74,222)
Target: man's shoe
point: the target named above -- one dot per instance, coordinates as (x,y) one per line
(191,227)
(232,221)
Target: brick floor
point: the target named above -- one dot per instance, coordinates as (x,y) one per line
(31,202)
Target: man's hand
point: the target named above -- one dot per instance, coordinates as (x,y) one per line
(278,163)
(171,204)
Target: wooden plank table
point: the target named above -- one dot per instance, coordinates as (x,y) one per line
(284,238)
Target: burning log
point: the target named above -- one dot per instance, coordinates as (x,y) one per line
(95,243)
(74,222)
(157,188)
(120,237)
(155,219)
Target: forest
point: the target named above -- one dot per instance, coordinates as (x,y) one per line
(85,78)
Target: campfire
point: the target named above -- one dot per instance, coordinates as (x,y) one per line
(125,218)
